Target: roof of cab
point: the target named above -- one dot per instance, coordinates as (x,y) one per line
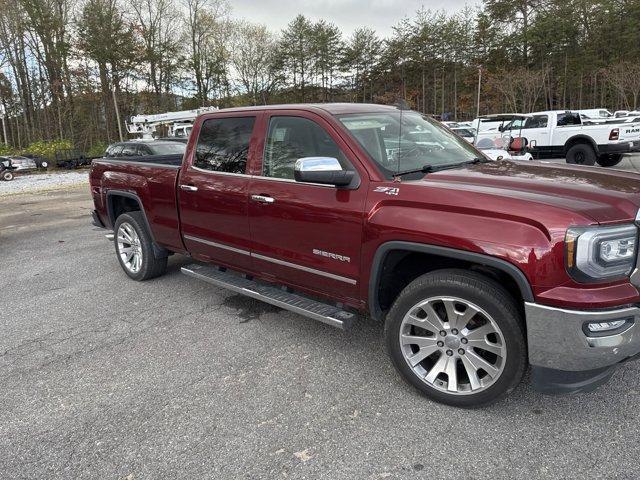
(503,116)
(331,108)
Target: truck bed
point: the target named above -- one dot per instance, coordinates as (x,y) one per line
(151,180)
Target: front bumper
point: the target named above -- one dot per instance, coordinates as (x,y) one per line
(557,340)
(565,359)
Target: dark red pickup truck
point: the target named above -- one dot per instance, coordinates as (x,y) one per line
(478,269)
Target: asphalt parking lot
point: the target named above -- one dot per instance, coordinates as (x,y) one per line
(105,378)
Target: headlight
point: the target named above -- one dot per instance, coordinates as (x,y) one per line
(601,253)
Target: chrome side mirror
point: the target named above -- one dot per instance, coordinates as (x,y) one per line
(323,170)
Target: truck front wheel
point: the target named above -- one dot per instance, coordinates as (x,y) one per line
(134,248)
(581,154)
(457,336)
(609,160)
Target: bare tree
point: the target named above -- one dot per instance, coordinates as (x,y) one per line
(206,25)
(521,88)
(254,61)
(625,79)
(159,28)
(48,22)
(14,55)
(105,36)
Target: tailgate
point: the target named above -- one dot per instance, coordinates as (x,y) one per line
(629,132)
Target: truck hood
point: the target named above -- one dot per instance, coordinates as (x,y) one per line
(595,193)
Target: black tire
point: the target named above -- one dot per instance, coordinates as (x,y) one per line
(581,154)
(7,176)
(484,293)
(609,160)
(151,266)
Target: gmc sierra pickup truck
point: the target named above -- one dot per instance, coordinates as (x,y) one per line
(479,269)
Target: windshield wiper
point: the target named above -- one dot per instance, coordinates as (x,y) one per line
(429,168)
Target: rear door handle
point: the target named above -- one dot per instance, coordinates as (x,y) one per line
(263,199)
(189,188)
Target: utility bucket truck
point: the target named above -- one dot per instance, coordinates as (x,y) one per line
(179,123)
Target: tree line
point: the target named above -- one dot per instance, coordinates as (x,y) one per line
(68,68)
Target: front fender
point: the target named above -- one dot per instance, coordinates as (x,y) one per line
(471,257)
(531,254)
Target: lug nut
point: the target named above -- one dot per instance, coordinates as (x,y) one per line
(461,351)
(449,352)
(443,333)
(441,344)
(464,340)
(454,331)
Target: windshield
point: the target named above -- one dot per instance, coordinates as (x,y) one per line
(397,147)
(168,148)
(463,132)
(515,124)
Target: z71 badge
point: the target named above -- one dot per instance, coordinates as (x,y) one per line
(387,190)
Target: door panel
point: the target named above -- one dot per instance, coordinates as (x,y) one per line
(306,235)
(212,192)
(537,128)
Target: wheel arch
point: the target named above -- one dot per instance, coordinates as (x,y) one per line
(578,139)
(114,204)
(444,256)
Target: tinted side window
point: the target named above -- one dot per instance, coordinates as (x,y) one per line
(144,150)
(569,118)
(114,151)
(130,151)
(223,145)
(539,121)
(291,138)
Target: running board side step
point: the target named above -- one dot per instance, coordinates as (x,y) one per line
(273,295)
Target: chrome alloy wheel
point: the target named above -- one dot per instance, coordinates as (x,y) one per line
(129,247)
(453,345)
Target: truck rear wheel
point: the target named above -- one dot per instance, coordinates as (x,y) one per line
(7,175)
(609,160)
(134,248)
(457,336)
(581,154)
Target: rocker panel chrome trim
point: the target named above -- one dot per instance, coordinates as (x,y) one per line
(217,245)
(273,260)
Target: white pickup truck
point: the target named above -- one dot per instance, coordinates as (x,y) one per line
(554,134)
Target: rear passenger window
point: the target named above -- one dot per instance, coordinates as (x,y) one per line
(130,151)
(291,138)
(569,118)
(144,150)
(539,121)
(114,151)
(223,144)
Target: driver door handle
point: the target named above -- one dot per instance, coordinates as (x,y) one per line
(262,199)
(189,188)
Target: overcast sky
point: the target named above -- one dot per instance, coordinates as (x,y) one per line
(347,14)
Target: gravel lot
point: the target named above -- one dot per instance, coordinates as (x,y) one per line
(36,182)
(102,377)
